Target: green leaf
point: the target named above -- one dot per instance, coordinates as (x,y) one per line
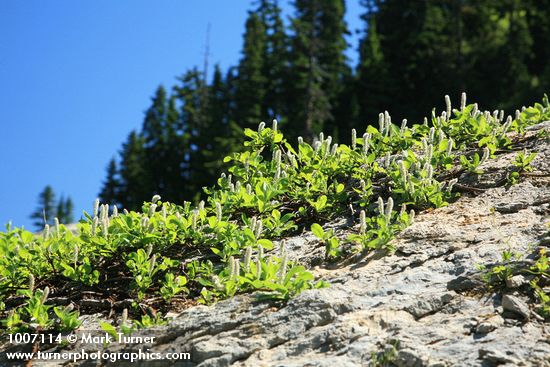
(250,133)
(318,231)
(109,329)
(266,244)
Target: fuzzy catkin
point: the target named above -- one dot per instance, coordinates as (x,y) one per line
(46,231)
(152,209)
(451,184)
(362,222)
(387,123)
(260,252)
(450,146)
(45,294)
(485,156)
(282,269)
(259,229)
(334,149)
(448,104)
(96,207)
(152,264)
(218,211)
(389,208)
(403,170)
(124,317)
(237,268)
(247,258)
(30,282)
(194,220)
(261,126)
(105,227)
(56,226)
(95,222)
(366,142)
(380,205)
(258,268)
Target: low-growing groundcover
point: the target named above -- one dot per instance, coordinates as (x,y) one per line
(140,265)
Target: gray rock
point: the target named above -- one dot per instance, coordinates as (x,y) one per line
(498,357)
(490,324)
(515,305)
(464,283)
(516,281)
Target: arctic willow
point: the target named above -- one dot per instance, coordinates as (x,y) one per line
(171,253)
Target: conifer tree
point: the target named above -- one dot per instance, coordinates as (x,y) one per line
(175,150)
(68,210)
(275,59)
(419,54)
(318,65)
(154,133)
(538,18)
(135,179)
(191,94)
(46,210)
(372,73)
(501,50)
(219,124)
(414,52)
(110,192)
(251,82)
(65,210)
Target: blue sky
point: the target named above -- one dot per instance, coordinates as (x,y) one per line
(76,77)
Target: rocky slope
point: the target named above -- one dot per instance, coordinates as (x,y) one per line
(426,305)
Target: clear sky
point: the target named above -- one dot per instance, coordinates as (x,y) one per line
(76,77)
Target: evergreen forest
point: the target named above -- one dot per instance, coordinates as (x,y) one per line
(295,70)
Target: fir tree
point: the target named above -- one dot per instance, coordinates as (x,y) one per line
(46,210)
(154,132)
(251,82)
(110,192)
(419,53)
(538,18)
(372,73)
(65,210)
(135,179)
(224,142)
(68,210)
(275,59)
(318,65)
(191,95)
(174,154)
